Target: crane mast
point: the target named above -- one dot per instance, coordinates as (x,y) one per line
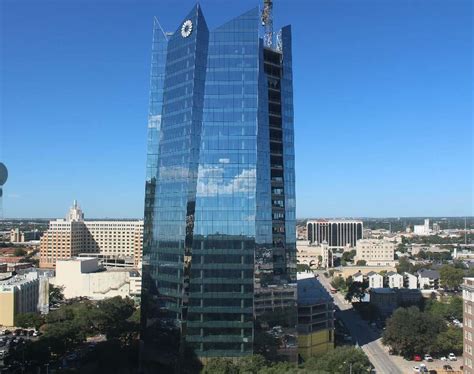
(267,21)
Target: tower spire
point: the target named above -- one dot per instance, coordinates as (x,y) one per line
(267,21)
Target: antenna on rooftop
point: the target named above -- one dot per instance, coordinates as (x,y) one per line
(267,21)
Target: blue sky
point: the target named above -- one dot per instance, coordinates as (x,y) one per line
(383,103)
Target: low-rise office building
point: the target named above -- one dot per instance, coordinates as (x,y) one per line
(386,300)
(336,233)
(18,294)
(274,297)
(315,317)
(83,277)
(314,255)
(375,252)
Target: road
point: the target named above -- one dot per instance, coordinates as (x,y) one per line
(363,335)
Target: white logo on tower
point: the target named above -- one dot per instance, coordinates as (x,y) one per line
(187,28)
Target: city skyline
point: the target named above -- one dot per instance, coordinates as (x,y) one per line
(399,93)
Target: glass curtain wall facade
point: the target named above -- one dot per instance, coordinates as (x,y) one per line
(220,201)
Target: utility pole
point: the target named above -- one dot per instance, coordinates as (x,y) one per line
(465,230)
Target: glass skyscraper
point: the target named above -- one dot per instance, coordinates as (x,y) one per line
(219,256)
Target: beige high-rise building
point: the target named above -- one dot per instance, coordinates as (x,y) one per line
(375,252)
(72,236)
(468,322)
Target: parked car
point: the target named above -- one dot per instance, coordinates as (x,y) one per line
(452,357)
(417,358)
(428,358)
(443,358)
(420,369)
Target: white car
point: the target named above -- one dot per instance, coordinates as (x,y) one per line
(452,357)
(428,358)
(420,369)
(443,358)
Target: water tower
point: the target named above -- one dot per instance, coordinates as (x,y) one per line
(3,179)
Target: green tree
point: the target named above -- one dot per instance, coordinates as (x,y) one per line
(451,277)
(357,290)
(340,361)
(220,366)
(251,364)
(349,256)
(338,283)
(282,368)
(266,345)
(301,268)
(64,336)
(449,341)
(361,263)
(448,310)
(112,319)
(404,266)
(20,252)
(28,320)
(455,308)
(410,331)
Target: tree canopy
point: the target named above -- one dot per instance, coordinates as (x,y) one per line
(451,277)
(338,361)
(357,290)
(410,331)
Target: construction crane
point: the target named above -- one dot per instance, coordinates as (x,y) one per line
(267,21)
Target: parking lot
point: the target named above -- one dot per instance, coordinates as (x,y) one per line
(409,366)
(12,339)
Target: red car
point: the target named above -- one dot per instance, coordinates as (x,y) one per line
(417,358)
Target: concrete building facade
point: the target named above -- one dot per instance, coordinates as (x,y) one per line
(375,252)
(468,330)
(335,233)
(18,294)
(83,277)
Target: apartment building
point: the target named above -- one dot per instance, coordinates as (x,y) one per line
(394,280)
(375,252)
(72,236)
(410,281)
(468,330)
(428,279)
(375,280)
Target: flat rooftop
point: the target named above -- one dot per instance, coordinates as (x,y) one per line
(310,292)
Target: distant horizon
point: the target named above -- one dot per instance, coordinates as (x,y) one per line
(298,218)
